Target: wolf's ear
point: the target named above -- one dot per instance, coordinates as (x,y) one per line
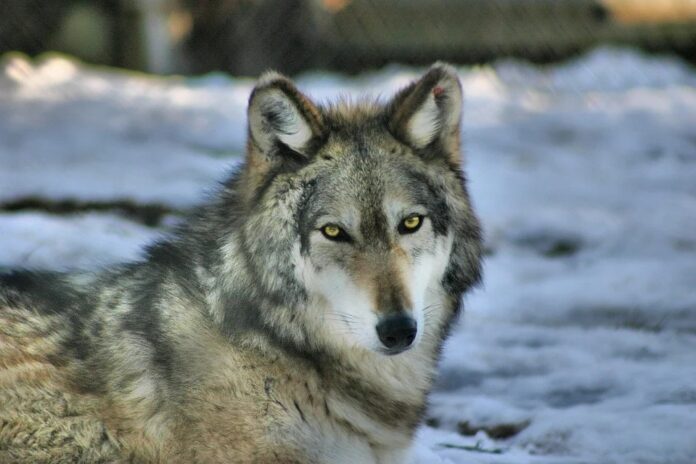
(279,114)
(429,111)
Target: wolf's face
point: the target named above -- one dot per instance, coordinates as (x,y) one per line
(374,243)
(369,209)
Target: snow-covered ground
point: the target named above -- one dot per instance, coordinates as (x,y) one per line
(581,346)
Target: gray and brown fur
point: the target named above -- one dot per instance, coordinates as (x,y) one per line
(221,344)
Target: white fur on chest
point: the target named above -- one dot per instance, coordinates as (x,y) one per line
(336,445)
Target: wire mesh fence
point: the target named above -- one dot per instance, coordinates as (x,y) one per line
(245,37)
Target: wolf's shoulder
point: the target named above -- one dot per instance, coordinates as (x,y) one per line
(45,292)
(43,420)
(34,310)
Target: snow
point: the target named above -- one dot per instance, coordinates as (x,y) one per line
(72,133)
(39,240)
(582,341)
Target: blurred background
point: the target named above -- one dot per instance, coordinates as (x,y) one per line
(246,37)
(580,154)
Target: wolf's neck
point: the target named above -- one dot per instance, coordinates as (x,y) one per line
(385,397)
(360,386)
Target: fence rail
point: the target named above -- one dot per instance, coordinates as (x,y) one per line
(249,36)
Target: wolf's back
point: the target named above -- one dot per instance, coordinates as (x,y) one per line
(41,419)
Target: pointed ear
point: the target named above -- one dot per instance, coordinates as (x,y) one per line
(429,111)
(280,115)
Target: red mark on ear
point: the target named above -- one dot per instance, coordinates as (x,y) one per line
(437,91)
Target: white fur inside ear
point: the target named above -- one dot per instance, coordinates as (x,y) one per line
(440,111)
(425,123)
(275,117)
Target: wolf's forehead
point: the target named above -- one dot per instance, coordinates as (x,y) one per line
(359,141)
(369,182)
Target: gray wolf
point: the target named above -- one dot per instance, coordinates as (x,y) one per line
(296,317)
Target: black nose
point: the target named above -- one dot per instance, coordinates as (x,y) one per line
(397,332)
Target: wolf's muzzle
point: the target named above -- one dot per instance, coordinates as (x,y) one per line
(397,332)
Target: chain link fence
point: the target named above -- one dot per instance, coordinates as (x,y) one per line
(245,37)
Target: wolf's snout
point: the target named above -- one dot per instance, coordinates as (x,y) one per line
(397,332)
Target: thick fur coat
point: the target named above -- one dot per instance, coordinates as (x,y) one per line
(297,317)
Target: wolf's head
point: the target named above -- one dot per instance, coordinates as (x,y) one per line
(358,220)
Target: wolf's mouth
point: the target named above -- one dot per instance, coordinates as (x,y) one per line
(394,352)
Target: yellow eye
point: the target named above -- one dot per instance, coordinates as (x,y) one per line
(331,231)
(411,224)
(335,233)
